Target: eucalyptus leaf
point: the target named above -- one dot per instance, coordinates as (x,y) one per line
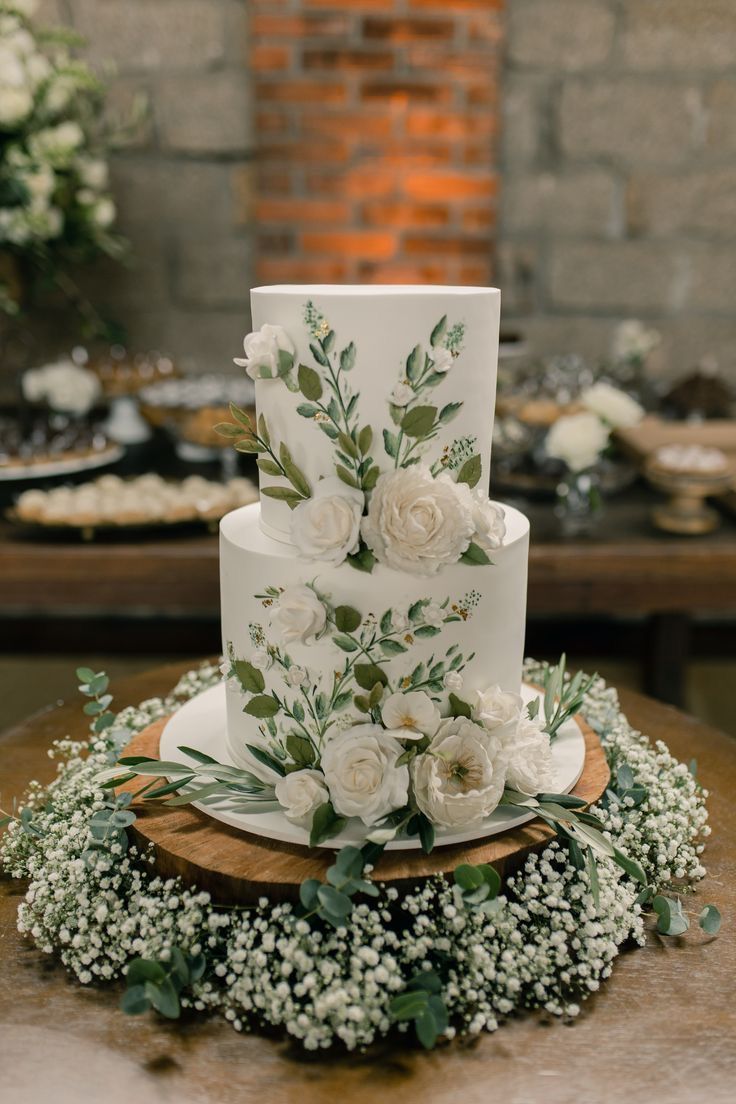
(710,920)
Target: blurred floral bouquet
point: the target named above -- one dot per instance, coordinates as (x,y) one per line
(56,212)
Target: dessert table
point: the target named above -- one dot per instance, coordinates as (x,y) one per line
(663,1026)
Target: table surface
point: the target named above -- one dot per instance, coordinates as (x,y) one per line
(663,1027)
(627,567)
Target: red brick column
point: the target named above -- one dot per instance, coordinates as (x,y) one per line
(376,125)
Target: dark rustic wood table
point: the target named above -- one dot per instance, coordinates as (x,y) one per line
(662,1028)
(626,570)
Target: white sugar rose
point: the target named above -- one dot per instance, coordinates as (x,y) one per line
(416,523)
(577,440)
(442,360)
(296,676)
(402,394)
(300,794)
(361,772)
(327,526)
(262,348)
(497,708)
(488,518)
(529,755)
(453,681)
(298,616)
(411,715)
(460,778)
(260,659)
(612,405)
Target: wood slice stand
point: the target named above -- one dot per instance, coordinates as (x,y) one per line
(238,868)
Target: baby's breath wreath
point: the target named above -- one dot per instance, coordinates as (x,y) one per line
(450,958)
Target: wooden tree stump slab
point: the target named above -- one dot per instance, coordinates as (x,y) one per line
(236,867)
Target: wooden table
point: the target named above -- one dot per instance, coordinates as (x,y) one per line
(662,1028)
(627,569)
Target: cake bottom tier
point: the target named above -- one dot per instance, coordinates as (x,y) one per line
(303,639)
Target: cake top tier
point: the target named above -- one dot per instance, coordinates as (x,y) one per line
(356,381)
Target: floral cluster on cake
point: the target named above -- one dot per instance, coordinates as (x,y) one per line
(373,743)
(398,510)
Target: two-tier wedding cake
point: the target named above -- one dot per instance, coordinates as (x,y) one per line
(373,603)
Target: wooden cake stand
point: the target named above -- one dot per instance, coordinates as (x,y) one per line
(236,867)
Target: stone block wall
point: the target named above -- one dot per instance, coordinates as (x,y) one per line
(618,169)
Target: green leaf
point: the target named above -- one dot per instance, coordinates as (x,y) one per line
(297,479)
(164,998)
(134,1001)
(331,899)
(447,413)
(425,631)
(325,823)
(283,494)
(306,410)
(385,624)
(392,647)
(286,363)
(347,358)
(390,443)
(470,472)
(310,384)
(368,674)
(308,893)
(348,445)
(419,421)
(670,918)
(347,618)
(263,429)
(319,355)
(228,429)
(242,417)
(300,749)
(261,706)
(595,888)
(376,694)
(364,560)
(426,1028)
(439,331)
(458,707)
(249,677)
(85,675)
(346,476)
(365,440)
(248,444)
(346,643)
(371,478)
(141,970)
(710,920)
(426,834)
(409,1004)
(262,756)
(630,866)
(415,363)
(328,341)
(362,703)
(415,610)
(268,466)
(474,555)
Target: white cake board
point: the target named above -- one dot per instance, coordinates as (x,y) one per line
(201,724)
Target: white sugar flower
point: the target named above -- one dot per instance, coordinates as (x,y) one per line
(361,773)
(612,405)
(488,518)
(416,523)
(577,440)
(298,615)
(453,681)
(402,394)
(300,794)
(296,676)
(326,526)
(442,360)
(460,778)
(260,659)
(412,715)
(263,349)
(633,340)
(496,708)
(529,755)
(433,615)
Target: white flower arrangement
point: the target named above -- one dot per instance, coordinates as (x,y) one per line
(612,405)
(66,387)
(633,341)
(56,210)
(546,938)
(578,440)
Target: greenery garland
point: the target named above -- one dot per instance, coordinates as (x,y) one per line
(444,959)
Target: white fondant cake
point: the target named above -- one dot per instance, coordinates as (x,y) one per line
(373,604)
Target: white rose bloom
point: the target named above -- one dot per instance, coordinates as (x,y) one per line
(412,715)
(15,105)
(442,360)
(93,174)
(488,518)
(262,348)
(327,526)
(361,772)
(300,794)
(577,440)
(416,523)
(103,213)
(260,659)
(633,340)
(529,755)
(65,386)
(402,394)
(612,405)
(495,707)
(453,681)
(296,676)
(298,615)
(460,778)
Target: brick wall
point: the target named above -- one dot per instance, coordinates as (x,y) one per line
(375,127)
(619,173)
